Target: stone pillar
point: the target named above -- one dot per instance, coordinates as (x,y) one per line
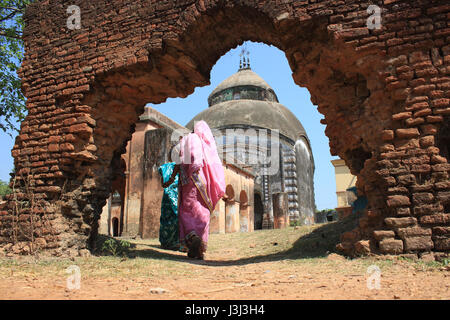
(135,183)
(105,218)
(222,205)
(214,223)
(157,147)
(231,216)
(244,218)
(280,210)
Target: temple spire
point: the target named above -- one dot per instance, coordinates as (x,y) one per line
(244,63)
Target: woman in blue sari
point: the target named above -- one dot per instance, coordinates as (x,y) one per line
(169,230)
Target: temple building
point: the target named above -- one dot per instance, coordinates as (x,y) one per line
(253,129)
(266,154)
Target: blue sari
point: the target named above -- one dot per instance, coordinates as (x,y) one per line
(169,230)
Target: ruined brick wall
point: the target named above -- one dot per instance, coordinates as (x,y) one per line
(384,94)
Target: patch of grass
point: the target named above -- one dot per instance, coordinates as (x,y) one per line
(323,239)
(110,246)
(116,248)
(294,224)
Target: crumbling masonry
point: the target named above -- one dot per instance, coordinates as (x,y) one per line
(384,94)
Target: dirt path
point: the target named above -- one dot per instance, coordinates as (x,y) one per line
(261,281)
(253,270)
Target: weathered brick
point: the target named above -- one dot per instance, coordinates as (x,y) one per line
(441,218)
(383,234)
(428,209)
(400,222)
(413,232)
(426,141)
(442,243)
(407,133)
(421,198)
(398,201)
(423,243)
(391,246)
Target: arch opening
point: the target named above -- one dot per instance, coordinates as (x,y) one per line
(174,71)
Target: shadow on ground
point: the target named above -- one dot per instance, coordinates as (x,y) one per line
(319,243)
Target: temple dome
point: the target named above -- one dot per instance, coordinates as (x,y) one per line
(246,99)
(263,114)
(244,77)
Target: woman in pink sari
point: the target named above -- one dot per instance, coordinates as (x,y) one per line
(202,185)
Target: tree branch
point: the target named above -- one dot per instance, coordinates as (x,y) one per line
(3,33)
(8,17)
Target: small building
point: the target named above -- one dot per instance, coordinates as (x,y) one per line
(344,181)
(237,213)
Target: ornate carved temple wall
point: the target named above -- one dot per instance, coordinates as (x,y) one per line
(384,94)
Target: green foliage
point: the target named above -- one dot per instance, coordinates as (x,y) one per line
(295,223)
(328,214)
(4,189)
(325,210)
(12,101)
(116,247)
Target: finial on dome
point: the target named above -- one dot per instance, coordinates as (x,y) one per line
(244,63)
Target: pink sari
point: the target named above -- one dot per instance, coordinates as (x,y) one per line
(202,182)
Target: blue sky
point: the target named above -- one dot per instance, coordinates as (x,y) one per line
(271,64)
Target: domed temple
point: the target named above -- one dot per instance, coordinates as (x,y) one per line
(249,124)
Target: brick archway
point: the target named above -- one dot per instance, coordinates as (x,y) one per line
(384,95)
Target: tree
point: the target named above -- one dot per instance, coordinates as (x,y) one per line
(12,101)
(4,189)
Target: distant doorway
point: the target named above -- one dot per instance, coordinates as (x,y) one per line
(115,227)
(258,208)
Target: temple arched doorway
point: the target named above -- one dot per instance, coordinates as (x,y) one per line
(115,227)
(259,210)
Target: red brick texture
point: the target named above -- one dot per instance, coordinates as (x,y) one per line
(384,95)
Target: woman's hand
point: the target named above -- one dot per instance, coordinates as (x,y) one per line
(176,169)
